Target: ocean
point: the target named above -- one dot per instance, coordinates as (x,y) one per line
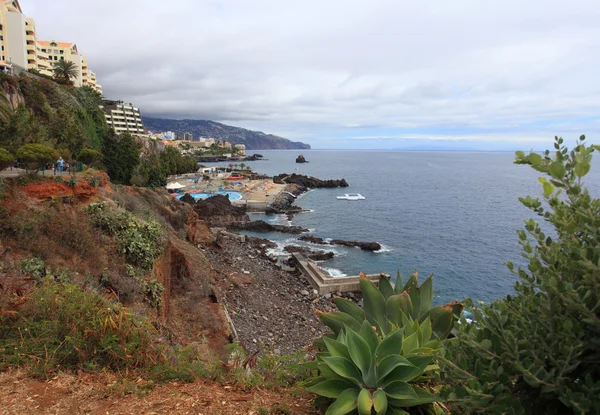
(451,214)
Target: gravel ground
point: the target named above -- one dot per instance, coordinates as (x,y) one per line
(270,308)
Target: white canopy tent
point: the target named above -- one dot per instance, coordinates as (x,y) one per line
(175,186)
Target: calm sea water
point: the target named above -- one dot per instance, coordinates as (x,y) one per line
(454,215)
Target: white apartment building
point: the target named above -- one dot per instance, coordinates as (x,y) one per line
(20,47)
(123,117)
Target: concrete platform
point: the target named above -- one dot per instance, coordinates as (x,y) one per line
(327,284)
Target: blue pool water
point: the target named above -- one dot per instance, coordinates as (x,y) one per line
(197,196)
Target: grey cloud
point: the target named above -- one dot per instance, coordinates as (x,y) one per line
(325,68)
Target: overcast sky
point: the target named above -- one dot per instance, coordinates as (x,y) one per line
(347,73)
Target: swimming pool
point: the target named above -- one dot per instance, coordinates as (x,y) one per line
(197,196)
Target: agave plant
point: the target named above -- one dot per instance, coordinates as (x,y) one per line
(368,372)
(390,307)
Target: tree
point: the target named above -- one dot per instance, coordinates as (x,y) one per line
(66,70)
(121,156)
(538,351)
(6,159)
(33,156)
(90,157)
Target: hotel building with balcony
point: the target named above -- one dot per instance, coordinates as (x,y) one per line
(57,51)
(123,117)
(20,48)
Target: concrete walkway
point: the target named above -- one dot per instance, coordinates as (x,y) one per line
(325,283)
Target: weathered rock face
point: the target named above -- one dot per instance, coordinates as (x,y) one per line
(313,239)
(301,159)
(365,246)
(308,181)
(218,211)
(187,198)
(315,255)
(262,226)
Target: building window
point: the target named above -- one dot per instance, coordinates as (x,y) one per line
(62,58)
(43,50)
(1,37)
(56,58)
(61,52)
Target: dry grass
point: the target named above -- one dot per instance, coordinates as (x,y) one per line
(102,394)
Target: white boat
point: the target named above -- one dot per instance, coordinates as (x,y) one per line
(352,196)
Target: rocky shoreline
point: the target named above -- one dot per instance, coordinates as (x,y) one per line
(269,308)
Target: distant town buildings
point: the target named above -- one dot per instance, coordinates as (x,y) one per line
(21,50)
(123,117)
(188,137)
(167,135)
(241,149)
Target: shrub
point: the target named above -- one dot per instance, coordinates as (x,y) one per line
(538,351)
(90,157)
(35,155)
(6,159)
(64,326)
(72,181)
(141,242)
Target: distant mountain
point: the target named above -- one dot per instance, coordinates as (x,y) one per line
(254,140)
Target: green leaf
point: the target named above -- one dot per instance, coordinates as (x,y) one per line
(423,397)
(374,304)
(344,367)
(397,303)
(337,349)
(390,345)
(385,286)
(387,365)
(360,352)
(414,279)
(441,321)
(327,372)
(535,159)
(398,285)
(582,168)
(426,330)
(415,297)
(330,388)
(407,373)
(350,307)
(365,402)
(369,335)
(345,403)
(549,188)
(426,295)
(336,321)
(409,343)
(400,390)
(557,170)
(315,381)
(380,402)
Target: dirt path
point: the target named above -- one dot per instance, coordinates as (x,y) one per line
(101,394)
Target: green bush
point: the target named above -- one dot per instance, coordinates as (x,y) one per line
(538,351)
(6,159)
(36,155)
(141,242)
(64,326)
(90,156)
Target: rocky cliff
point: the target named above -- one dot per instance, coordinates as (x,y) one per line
(254,140)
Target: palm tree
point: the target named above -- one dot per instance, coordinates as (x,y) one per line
(65,70)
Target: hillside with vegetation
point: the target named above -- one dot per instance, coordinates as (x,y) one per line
(254,140)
